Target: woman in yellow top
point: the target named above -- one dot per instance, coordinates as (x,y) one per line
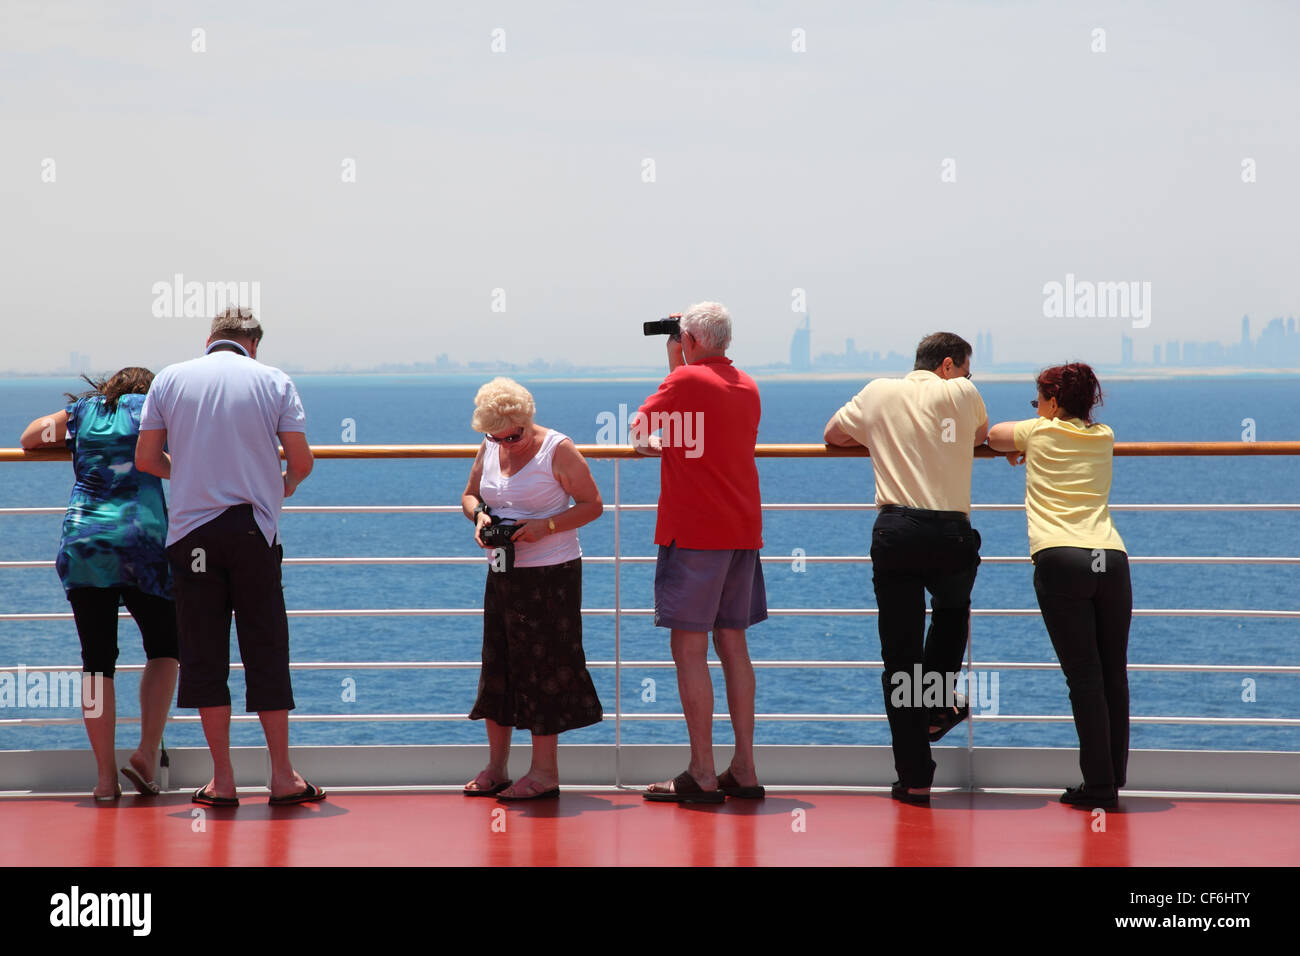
(1080,567)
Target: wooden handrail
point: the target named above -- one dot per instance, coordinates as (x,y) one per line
(1139,449)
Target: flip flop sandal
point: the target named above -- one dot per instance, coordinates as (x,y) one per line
(491,791)
(146,787)
(309,794)
(728,785)
(201,796)
(684,790)
(535,795)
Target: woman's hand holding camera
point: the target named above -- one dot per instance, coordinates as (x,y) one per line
(532,530)
(480,522)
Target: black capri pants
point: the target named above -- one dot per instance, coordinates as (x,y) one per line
(222,566)
(95,611)
(1087,603)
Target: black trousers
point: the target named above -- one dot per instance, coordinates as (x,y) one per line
(912,552)
(95,611)
(1087,603)
(219,567)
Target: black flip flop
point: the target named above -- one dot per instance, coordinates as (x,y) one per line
(201,796)
(685,790)
(309,794)
(728,785)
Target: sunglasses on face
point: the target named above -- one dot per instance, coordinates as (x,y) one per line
(509,439)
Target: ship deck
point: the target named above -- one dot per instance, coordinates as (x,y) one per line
(612,827)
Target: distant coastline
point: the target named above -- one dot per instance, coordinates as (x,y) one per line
(760,373)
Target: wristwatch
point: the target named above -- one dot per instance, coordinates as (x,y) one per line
(483,508)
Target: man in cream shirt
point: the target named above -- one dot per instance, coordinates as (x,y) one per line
(921,431)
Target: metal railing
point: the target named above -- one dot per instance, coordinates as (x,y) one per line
(618,611)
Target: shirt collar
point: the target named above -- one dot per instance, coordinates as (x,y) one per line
(231,347)
(713,360)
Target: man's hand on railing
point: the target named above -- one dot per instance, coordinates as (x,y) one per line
(651,446)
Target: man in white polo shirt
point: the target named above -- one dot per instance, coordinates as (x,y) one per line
(223,417)
(921,431)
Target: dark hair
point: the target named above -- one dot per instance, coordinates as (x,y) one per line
(1074,387)
(131,380)
(936,347)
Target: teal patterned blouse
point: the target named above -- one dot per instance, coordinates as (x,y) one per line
(116,524)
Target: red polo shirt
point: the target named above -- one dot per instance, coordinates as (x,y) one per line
(707,414)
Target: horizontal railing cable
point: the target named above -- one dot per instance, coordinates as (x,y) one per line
(668,664)
(1140,449)
(648,612)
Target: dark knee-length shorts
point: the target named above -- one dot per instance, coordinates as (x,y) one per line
(534,673)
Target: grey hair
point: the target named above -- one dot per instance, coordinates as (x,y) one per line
(500,404)
(709,323)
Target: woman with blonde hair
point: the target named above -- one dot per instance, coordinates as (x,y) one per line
(111,553)
(534,674)
(1081,571)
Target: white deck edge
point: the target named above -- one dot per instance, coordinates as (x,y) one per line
(1254,774)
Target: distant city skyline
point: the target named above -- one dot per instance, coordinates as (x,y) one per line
(530,182)
(1276,347)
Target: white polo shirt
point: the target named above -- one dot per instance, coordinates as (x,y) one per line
(222,413)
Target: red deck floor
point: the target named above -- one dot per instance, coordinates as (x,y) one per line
(614,828)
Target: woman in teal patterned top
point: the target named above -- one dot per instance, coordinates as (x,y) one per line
(111,553)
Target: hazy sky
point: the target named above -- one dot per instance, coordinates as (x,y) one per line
(524,170)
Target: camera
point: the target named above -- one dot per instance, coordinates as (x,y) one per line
(670,326)
(497,536)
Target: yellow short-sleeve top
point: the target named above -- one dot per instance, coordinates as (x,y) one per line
(1067,483)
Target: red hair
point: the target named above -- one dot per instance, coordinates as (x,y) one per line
(1074,387)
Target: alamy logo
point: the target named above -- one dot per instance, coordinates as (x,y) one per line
(1098,300)
(179,299)
(74,908)
(933,689)
(679,429)
(52,689)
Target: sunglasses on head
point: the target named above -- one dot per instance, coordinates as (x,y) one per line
(509,439)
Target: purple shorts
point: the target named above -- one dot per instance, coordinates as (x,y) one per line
(701,590)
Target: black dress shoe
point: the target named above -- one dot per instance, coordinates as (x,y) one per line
(1079,798)
(899,792)
(945,719)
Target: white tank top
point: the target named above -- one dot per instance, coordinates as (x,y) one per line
(530,493)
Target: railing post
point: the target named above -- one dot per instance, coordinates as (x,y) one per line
(970,718)
(618,644)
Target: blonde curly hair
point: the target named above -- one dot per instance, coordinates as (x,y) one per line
(500,404)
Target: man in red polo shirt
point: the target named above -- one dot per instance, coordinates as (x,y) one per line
(709,531)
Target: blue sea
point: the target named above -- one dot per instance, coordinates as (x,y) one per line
(437,409)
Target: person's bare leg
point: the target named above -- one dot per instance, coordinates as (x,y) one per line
(99,711)
(216,731)
(544,772)
(695,687)
(157,685)
(738,671)
(497,769)
(284,779)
